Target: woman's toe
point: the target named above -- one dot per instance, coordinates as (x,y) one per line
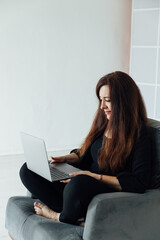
(38,205)
(38,211)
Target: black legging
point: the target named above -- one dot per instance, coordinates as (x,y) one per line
(71,199)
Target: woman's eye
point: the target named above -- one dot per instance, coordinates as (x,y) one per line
(106,100)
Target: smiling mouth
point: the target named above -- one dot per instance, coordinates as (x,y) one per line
(107,112)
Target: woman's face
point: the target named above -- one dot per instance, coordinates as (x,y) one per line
(104,95)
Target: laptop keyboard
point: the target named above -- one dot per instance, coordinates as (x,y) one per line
(57,174)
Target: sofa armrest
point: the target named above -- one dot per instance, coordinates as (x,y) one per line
(123,216)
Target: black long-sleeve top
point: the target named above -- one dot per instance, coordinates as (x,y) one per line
(135,175)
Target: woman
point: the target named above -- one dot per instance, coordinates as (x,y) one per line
(115,155)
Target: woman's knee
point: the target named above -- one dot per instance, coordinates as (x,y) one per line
(26,175)
(83,180)
(23,171)
(77,186)
(79,180)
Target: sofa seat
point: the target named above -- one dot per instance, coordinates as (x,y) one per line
(24,224)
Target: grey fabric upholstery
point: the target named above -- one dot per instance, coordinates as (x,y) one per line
(23,223)
(124,216)
(112,216)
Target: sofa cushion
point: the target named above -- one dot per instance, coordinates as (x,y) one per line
(23,223)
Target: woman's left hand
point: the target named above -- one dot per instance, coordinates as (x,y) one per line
(81,172)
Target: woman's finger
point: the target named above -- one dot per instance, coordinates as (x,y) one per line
(53,161)
(56,159)
(75,174)
(65,181)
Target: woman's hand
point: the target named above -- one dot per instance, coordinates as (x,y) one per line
(76,174)
(69,158)
(94,175)
(61,159)
(66,181)
(82,172)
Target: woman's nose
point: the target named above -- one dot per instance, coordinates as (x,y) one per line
(103,105)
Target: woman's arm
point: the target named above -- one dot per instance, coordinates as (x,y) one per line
(111,181)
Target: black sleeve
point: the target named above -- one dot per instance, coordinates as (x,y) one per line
(85,159)
(137,180)
(76,152)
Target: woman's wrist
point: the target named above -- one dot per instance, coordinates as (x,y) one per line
(72,158)
(101,177)
(65,159)
(96,176)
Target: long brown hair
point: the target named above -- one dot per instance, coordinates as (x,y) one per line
(127,114)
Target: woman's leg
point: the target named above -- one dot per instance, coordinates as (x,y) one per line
(48,192)
(77,195)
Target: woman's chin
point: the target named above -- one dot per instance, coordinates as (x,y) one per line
(108,116)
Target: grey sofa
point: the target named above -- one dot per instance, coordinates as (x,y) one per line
(112,216)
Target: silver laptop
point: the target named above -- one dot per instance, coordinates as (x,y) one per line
(37,160)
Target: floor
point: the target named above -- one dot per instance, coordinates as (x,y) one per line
(10,184)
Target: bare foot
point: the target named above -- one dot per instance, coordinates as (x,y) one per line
(45,211)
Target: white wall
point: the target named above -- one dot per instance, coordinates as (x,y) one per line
(145,52)
(52,54)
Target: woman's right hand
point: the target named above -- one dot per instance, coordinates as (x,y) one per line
(61,159)
(69,158)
